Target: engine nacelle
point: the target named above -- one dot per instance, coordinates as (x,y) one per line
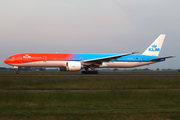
(74,66)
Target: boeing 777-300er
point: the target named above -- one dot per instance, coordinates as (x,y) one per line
(79,61)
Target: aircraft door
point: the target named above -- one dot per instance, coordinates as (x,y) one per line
(44,63)
(44,58)
(140,60)
(20,59)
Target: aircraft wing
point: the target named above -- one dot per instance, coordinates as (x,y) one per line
(156,59)
(106,59)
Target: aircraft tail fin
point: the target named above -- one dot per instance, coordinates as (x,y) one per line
(155,48)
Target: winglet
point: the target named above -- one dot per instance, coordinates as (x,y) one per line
(135,52)
(155,48)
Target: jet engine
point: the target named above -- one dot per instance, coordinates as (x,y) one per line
(71,66)
(74,66)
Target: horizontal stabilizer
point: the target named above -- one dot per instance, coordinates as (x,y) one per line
(156,59)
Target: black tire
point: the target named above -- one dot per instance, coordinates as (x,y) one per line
(89,72)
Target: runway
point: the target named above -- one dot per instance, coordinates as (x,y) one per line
(106,74)
(100,74)
(36,91)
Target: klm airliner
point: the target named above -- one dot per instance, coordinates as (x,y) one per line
(88,62)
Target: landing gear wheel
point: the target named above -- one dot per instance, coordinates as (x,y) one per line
(83,72)
(16,69)
(89,72)
(95,72)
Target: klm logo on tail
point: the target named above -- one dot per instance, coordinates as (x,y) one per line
(154,48)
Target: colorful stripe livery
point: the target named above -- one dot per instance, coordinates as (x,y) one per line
(78,61)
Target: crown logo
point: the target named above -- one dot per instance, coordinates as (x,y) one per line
(154,46)
(26,56)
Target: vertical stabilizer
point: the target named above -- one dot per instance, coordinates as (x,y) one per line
(155,48)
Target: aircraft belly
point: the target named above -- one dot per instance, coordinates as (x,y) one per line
(41,64)
(123,64)
(63,64)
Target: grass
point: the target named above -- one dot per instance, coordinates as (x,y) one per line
(88,82)
(151,116)
(91,104)
(161,103)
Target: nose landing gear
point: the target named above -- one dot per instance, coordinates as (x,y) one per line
(17,72)
(16,68)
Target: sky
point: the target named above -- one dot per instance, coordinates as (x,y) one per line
(89,26)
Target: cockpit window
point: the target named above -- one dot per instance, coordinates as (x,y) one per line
(9,58)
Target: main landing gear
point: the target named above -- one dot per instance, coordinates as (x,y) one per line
(89,72)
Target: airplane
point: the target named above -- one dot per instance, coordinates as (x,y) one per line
(85,61)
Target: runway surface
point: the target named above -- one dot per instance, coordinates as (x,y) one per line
(90,74)
(89,90)
(100,73)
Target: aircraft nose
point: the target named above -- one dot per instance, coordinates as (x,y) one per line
(6,61)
